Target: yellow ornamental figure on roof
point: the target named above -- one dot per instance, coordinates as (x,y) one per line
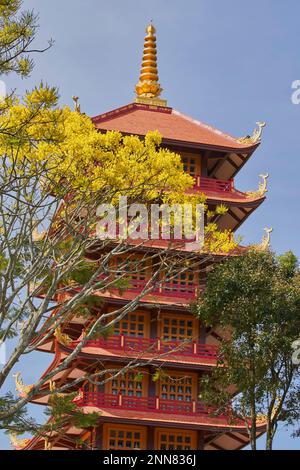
(148,88)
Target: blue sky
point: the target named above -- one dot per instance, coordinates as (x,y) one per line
(228,63)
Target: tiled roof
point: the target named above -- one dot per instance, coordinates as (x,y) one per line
(138,119)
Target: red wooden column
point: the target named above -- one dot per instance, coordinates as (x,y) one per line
(200,440)
(99,437)
(150,437)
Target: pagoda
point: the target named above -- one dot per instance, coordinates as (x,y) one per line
(165,414)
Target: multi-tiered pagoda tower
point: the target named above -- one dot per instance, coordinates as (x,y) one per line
(167,413)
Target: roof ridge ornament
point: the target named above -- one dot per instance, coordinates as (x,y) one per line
(61,337)
(18,443)
(22,389)
(76,104)
(148,88)
(265,243)
(256,135)
(262,188)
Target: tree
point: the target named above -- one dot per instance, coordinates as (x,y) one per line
(255,299)
(17,33)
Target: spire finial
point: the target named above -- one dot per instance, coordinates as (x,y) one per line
(148,88)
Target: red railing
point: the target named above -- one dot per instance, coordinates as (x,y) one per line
(166,288)
(171,288)
(152,404)
(211,184)
(128,344)
(106,400)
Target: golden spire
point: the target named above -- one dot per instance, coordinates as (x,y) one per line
(148,88)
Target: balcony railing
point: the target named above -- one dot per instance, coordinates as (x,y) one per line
(165,288)
(129,344)
(214,185)
(151,404)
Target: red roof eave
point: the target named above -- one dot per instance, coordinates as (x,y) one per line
(176,128)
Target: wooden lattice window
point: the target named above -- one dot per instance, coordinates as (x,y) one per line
(124,437)
(180,282)
(179,387)
(132,267)
(178,327)
(134,324)
(131,384)
(175,440)
(191,165)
